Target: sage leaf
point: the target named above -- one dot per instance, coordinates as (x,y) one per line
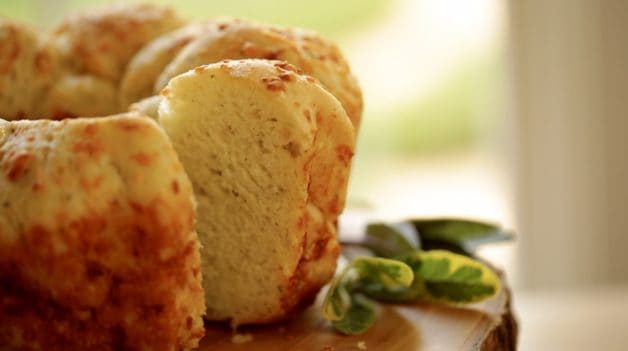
(398,294)
(359,318)
(389,240)
(337,301)
(386,272)
(457,235)
(451,278)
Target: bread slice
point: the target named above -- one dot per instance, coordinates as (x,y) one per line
(97,243)
(268,152)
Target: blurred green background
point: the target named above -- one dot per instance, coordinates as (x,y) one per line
(449,117)
(331,17)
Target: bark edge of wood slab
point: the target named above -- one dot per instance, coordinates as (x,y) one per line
(505,333)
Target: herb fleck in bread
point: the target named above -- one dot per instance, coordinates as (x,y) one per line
(97,243)
(268,152)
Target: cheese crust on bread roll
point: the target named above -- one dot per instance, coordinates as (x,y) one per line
(238,39)
(97,243)
(143,70)
(268,151)
(28,68)
(102,41)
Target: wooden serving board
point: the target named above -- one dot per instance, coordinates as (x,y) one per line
(419,327)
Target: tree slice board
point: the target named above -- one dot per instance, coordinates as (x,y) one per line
(418,327)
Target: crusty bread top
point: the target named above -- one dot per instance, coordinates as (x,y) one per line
(98,215)
(81,95)
(141,73)
(101,41)
(237,39)
(91,161)
(27,69)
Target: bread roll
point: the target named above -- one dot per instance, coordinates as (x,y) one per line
(84,95)
(97,243)
(148,106)
(236,39)
(268,152)
(141,73)
(27,70)
(102,41)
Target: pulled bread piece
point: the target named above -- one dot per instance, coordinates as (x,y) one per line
(28,68)
(97,243)
(268,152)
(211,42)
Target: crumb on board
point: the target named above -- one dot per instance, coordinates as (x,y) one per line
(361,345)
(329,348)
(241,338)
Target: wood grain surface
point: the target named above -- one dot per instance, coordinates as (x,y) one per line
(419,327)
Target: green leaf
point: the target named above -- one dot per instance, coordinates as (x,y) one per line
(389,240)
(359,318)
(386,272)
(379,292)
(337,301)
(457,235)
(453,278)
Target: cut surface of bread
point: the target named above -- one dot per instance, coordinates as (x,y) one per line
(268,152)
(97,243)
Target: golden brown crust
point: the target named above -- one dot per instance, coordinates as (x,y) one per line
(240,39)
(142,71)
(97,242)
(102,41)
(28,68)
(75,69)
(85,96)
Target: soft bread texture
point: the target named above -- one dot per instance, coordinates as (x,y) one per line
(238,39)
(27,70)
(268,152)
(97,243)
